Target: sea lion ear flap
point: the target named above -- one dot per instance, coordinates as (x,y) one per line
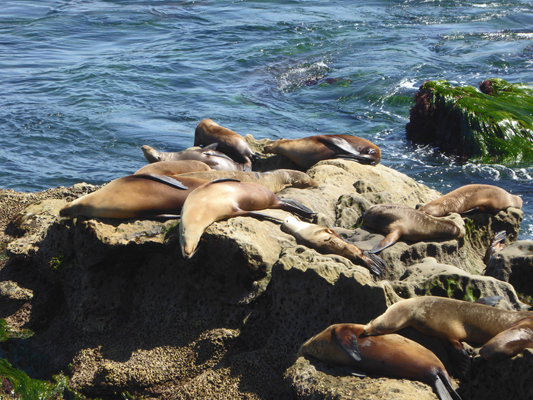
(348,342)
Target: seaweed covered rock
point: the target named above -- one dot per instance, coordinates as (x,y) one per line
(492,125)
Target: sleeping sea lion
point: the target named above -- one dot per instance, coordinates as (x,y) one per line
(328,241)
(215,159)
(453,321)
(230,143)
(510,342)
(274,180)
(307,151)
(170,168)
(398,221)
(135,196)
(486,198)
(389,355)
(222,199)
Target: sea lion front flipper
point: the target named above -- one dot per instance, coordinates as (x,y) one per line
(348,342)
(444,388)
(218,180)
(489,300)
(355,372)
(210,153)
(163,179)
(212,146)
(387,241)
(296,207)
(263,216)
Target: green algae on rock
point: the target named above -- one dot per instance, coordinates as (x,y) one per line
(491,125)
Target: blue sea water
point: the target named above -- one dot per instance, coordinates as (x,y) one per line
(85,83)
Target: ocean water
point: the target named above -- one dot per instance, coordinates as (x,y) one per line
(85,83)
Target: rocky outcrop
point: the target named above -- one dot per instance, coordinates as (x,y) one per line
(135,316)
(514,264)
(490,125)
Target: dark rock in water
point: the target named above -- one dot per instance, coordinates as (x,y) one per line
(491,125)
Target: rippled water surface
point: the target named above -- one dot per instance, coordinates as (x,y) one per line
(86,83)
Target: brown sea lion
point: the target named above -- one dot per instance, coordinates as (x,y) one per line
(486,198)
(510,342)
(209,155)
(451,320)
(307,151)
(328,241)
(134,196)
(274,180)
(390,355)
(398,221)
(230,143)
(170,168)
(222,199)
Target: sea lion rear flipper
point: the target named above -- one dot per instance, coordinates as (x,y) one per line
(499,237)
(296,207)
(374,263)
(489,300)
(362,159)
(348,342)
(444,388)
(387,241)
(350,152)
(163,179)
(167,216)
(460,358)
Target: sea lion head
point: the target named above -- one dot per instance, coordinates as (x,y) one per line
(396,317)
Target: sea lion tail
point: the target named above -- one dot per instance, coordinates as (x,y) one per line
(444,388)
(296,207)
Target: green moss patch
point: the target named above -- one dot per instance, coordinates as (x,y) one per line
(493,125)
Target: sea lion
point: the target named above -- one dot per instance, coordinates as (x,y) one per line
(486,198)
(453,321)
(222,199)
(274,180)
(510,342)
(328,241)
(215,159)
(389,355)
(307,151)
(230,143)
(170,168)
(134,196)
(398,221)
